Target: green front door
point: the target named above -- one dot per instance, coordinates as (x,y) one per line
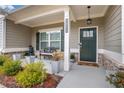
(88,44)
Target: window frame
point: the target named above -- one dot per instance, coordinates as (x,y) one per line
(49,40)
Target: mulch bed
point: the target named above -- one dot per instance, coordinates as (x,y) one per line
(51,82)
(88,64)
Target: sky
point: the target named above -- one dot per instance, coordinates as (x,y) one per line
(10,8)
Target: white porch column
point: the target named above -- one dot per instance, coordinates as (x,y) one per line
(66,39)
(2,32)
(122,33)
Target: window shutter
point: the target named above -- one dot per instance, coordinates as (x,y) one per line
(62,40)
(37,40)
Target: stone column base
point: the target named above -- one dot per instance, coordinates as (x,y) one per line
(109,63)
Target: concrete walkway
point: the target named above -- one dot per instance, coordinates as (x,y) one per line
(84,77)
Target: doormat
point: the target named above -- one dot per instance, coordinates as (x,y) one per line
(88,64)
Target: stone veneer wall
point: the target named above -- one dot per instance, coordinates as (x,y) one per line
(109,64)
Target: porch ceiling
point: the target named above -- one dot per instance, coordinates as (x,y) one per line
(40,15)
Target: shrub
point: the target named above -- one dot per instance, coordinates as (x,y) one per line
(12,67)
(1,70)
(116,79)
(33,73)
(3,59)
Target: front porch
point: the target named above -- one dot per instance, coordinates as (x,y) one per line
(60,27)
(80,76)
(84,77)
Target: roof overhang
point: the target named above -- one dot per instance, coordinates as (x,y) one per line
(40,15)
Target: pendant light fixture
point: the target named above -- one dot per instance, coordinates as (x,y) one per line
(89,20)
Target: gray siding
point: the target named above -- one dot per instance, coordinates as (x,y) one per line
(74,34)
(17,36)
(112,26)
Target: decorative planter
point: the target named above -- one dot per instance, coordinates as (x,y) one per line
(55,66)
(16,56)
(30,59)
(72,60)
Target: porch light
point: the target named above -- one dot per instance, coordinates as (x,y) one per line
(89,20)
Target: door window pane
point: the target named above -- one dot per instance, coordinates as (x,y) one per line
(91,33)
(84,34)
(88,34)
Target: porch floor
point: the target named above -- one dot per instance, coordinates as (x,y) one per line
(84,77)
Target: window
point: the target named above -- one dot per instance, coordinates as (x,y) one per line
(50,39)
(43,40)
(88,33)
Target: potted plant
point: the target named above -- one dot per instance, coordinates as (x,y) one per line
(72,57)
(29,57)
(116,79)
(57,57)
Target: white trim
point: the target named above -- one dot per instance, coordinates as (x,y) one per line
(96,41)
(114,55)
(1,16)
(122,34)
(101,51)
(0,49)
(4,34)
(122,30)
(3,31)
(74,50)
(9,50)
(72,14)
(45,23)
(105,10)
(50,29)
(66,39)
